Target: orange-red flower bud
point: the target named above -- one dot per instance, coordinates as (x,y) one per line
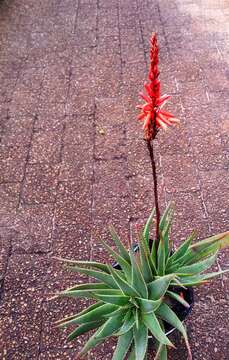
(154,118)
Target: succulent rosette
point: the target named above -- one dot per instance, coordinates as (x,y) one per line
(135,301)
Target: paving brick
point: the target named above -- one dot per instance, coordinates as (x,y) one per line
(109,111)
(24,285)
(74,202)
(8,87)
(9,195)
(183,176)
(110,178)
(20,336)
(133,75)
(12,161)
(40,184)
(137,158)
(175,141)
(104,46)
(6,237)
(201,120)
(26,94)
(210,302)
(105,350)
(16,125)
(33,225)
(49,121)
(58,354)
(81,57)
(216,203)
(43,42)
(108,21)
(79,131)
(110,142)
(80,101)
(72,241)
(87,38)
(46,147)
(209,152)
(216,179)
(17,131)
(192,92)
(74,167)
(24,103)
(115,211)
(3,112)
(54,310)
(55,84)
(169,82)
(142,196)
(48,108)
(109,80)
(189,215)
(45,59)
(86,13)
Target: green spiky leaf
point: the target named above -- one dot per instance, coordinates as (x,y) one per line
(85,311)
(84,328)
(197,268)
(189,281)
(164,227)
(119,300)
(137,278)
(178,298)
(148,306)
(107,279)
(140,341)
(221,240)
(86,286)
(122,250)
(91,315)
(90,264)
(123,285)
(161,257)
(106,330)
(152,323)
(147,265)
(146,230)
(121,261)
(170,317)
(123,345)
(161,352)
(128,324)
(181,251)
(161,348)
(158,287)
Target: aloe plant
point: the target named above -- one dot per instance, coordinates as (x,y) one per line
(133,303)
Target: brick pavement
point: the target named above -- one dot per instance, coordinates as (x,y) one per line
(73,159)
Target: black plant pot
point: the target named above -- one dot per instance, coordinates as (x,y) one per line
(181,311)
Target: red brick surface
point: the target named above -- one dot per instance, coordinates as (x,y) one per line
(72,157)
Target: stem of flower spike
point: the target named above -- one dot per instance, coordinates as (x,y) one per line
(150,148)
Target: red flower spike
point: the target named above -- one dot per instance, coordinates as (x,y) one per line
(154,118)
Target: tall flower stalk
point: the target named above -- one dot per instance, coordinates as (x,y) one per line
(154,117)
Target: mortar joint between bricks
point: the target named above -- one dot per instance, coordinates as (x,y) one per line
(35,117)
(2,280)
(141,33)
(93,140)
